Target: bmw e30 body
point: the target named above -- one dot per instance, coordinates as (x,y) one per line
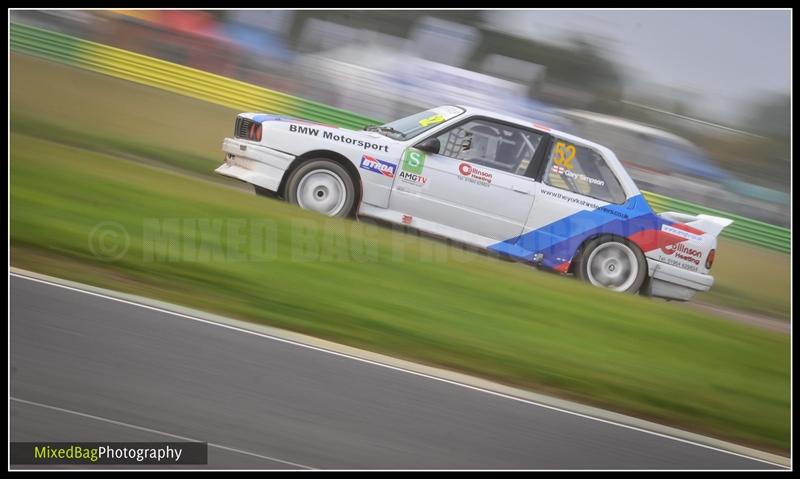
(489,180)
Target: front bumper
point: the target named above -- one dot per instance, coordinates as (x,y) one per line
(670,282)
(254,163)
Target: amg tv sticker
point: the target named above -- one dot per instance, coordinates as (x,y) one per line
(413,178)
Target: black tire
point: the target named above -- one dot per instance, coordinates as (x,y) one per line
(323,186)
(616,264)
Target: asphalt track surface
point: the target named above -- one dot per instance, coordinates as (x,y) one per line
(87,368)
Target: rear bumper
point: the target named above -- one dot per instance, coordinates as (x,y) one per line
(670,282)
(253,163)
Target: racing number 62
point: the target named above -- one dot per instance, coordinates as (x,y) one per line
(564,154)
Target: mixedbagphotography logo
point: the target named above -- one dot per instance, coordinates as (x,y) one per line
(97,453)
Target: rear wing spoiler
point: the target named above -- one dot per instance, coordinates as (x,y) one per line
(712,225)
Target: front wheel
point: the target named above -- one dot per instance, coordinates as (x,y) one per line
(612,263)
(323,186)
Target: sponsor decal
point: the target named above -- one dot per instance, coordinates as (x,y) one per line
(306,130)
(327,135)
(683,252)
(681,232)
(473,174)
(444,112)
(413,161)
(412,166)
(582,201)
(370,163)
(677,262)
(407,219)
(413,178)
(431,120)
(687,228)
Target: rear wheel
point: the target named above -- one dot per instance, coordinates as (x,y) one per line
(323,186)
(612,263)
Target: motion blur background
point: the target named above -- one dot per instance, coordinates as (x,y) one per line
(696,104)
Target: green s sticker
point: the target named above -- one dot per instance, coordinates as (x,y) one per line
(413,161)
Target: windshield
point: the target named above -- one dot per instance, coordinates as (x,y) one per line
(411,126)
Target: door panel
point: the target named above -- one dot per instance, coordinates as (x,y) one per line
(469,197)
(578,197)
(474,182)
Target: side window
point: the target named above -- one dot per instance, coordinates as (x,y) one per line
(582,170)
(496,145)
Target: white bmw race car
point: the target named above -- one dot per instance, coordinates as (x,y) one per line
(496,182)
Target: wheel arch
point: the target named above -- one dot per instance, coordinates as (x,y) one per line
(330,155)
(578,267)
(579,250)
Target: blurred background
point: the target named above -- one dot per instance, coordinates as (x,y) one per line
(696,104)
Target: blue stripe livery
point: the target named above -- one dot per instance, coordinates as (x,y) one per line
(559,240)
